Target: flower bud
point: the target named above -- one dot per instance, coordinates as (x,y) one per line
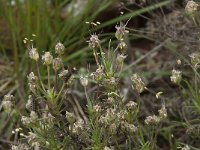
(32,78)
(151,120)
(131,105)
(94,41)
(7,106)
(78,127)
(113,128)
(25,120)
(191,8)
(32,87)
(8,97)
(176,76)
(7,103)
(57,64)
(97,108)
(59,48)
(84,81)
(63,74)
(33,54)
(33,116)
(121,30)
(195,59)
(163,112)
(186,147)
(123,47)
(107,148)
(47,58)
(130,128)
(138,84)
(120,59)
(70,117)
(29,102)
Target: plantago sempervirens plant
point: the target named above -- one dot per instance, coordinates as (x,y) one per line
(106,121)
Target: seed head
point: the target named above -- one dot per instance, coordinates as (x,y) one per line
(63,74)
(57,64)
(8,97)
(94,41)
(32,139)
(163,112)
(59,48)
(98,74)
(84,81)
(32,87)
(29,102)
(113,128)
(121,30)
(195,59)
(78,127)
(131,105)
(151,120)
(186,147)
(97,108)
(178,62)
(123,47)
(130,128)
(138,84)
(176,76)
(7,106)
(33,54)
(20,146)
(107,148)
(33,116)
(191,8)
(32,78)
(110,115)
(70,117)
(25,120)
(120,59)
(7,103)
(103,121)
(47,58)
(110,100)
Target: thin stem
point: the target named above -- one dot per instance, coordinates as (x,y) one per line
(38,71)
(56,80)
(195,80)
(49,82)
(121,67)
(62,88)
(87,97)
(95,56)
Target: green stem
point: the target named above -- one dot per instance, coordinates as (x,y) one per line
(49,82)
(62,88)
(38,71)
(87,97)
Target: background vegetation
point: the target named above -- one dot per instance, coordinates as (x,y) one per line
(161,37)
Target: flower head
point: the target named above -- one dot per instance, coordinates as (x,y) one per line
(176,76)
(59,48)
(47,58)
(94,41)
(33,54)
(84,81)
(191,8)
(57,64)
(121,30)
(138,84)
(32,78)
(151,120)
